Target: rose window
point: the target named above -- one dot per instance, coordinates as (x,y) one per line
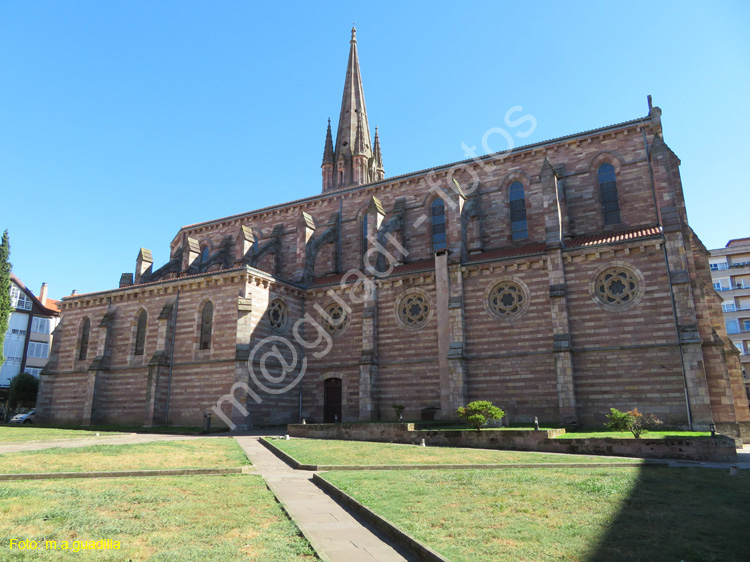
(507,299)
(616,286)
(414,310)
(335,319)
(278,315)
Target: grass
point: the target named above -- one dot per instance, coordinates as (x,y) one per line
(173,519)
(628,435)
(194,453)
(459,425)
(617,514)
(24,433)
(325,452)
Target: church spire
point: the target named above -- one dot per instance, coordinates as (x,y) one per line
(352,160)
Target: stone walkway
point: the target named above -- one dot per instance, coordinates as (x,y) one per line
(334,532)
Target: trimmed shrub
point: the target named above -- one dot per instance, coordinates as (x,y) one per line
(478,413)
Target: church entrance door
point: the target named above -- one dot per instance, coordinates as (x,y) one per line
(332,400)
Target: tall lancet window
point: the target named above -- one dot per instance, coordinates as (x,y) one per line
(140,333)
(84,345)
(207,320)
(439,241)
(518,225)
(608,193)
(364,234)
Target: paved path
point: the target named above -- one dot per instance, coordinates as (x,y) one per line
(333,531)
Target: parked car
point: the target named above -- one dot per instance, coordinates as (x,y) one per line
(28,417)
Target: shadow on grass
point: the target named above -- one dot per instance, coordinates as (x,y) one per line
(680,514)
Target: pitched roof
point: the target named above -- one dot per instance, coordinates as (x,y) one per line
(613,237)
(51,310)
(527,249)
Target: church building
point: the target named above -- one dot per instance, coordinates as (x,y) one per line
(557,280)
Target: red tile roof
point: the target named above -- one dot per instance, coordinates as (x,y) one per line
(613,237)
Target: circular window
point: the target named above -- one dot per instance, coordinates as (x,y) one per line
(414,309)
(278,315)
(507,299)
(335,320)
(617,287)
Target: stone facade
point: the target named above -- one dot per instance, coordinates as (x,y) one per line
(557,280)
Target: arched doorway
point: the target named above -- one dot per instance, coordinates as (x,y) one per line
(332,400)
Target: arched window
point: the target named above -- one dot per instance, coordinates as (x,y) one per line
(83,350)
(608,193)
(205,253)
(207,319)
(518,226)
(140,333)
(256,243)
(364,234)
(438,225)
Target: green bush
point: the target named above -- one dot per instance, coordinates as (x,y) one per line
(478,413)
(632,421)
(618,421)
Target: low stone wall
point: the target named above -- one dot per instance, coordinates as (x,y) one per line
(718,449)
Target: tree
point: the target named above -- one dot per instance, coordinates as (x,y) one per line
(23,390)
(478,413)
(4,291)
(632,421)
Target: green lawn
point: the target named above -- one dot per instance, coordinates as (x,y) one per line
(172,519)
(23,433)
(325,452)
(195,453)
(628,435)
(617,514)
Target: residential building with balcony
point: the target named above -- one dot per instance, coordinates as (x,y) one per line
(730,273)
(29,336)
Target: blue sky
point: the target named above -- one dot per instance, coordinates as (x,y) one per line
(120,122)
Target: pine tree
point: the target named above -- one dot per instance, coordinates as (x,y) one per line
(4,291)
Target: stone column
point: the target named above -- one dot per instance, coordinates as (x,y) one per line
(88,401)
(158,366)
(457,364)
(191,252)
(451,364)
(305,230)
(368,366)
(561,344)
(692,332)
(143,265)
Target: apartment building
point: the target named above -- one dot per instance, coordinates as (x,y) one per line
(730,271)
(29,336)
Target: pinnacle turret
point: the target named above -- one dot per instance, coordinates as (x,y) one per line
(328,157)
(377,156)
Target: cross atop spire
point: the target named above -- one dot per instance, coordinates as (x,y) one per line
(353,133)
